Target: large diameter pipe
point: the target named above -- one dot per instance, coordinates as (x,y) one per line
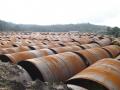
(66,49)
(92,55)
(74,48)
(14,50)
(103,75)
(99,53)
(52,68)
(16,57)
(103,42)
(88,57)
(113,50)
(87,46)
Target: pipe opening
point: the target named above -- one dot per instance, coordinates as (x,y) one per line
(96,42)
(5,58)
(77,42)
(73,40)
(32,48)
(44,43)
(53,51)
(32,70)
(86,62)
(61,44)
(88,84)
(108,52)
(14,45)
(82,47)
(56,40)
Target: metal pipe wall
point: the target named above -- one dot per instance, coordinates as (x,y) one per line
(103,75)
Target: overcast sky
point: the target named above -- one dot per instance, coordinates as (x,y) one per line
(45,12)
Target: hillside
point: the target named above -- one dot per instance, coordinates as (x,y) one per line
(85,27)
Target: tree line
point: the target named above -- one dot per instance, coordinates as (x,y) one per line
(84,27)
(115,31)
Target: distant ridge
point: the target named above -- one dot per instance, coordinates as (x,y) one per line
(84,27)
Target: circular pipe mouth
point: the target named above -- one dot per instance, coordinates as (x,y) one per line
(95,42)
(32,48)
(118,59)
(81,47)
(86,62)
(61,44)
(55,52)
(110,54)
(5,58)
(14,45)
(88,84)
(77,42)
(33,71)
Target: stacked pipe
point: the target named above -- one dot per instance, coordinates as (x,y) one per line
(25,39)
(21,48)
(59,56)
(26,48)
(19,56)
(62,66)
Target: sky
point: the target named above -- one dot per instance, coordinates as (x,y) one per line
(48,12)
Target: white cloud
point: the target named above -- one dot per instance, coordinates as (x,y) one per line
(61,11)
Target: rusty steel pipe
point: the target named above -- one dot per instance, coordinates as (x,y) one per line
(71,43)
(99,53)
(19,56)
(66,49)
(103,75)
(52,68)
(74,48)
(87,56)
(84,40)
(31,54)
(53,45)
(16,57)
(113,50)
(103,42)
(14,50)
(94,54)
(87,46)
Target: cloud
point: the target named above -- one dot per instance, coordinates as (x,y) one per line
(61,11)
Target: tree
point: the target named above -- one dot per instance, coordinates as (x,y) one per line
(115,31)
